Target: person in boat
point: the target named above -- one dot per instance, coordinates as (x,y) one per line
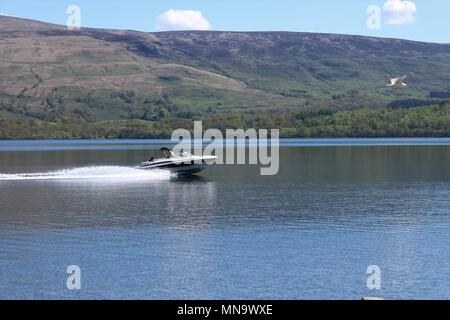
(169,153)
(166,153)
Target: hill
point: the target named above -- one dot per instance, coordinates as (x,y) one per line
(97,78)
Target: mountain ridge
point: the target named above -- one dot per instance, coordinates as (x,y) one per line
(60,26)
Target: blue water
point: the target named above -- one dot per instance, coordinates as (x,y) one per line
(310,232)
(29,145)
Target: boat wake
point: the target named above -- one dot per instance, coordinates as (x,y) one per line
(103,172)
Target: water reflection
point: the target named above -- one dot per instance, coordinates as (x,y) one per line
(86,203)
(191,202)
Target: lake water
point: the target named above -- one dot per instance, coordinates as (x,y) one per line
(310,232)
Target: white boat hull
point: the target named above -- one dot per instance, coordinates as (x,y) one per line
(182,169)
(179,165)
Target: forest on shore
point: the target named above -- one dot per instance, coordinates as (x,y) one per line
(422,121)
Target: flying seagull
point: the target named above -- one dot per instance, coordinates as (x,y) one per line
(398,82)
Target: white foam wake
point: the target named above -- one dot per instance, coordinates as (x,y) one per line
(104,172)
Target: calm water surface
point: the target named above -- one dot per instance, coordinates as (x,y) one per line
(310,232)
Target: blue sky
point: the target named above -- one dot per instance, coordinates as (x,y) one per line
(424,20)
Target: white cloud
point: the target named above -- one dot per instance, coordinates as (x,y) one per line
(399,12)
(182,20)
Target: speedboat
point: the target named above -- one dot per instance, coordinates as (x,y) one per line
(183,164)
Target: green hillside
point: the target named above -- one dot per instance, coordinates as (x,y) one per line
(109,83)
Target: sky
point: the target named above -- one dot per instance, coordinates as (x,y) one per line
(422,20)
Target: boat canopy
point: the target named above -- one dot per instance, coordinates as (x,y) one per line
(166,152)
